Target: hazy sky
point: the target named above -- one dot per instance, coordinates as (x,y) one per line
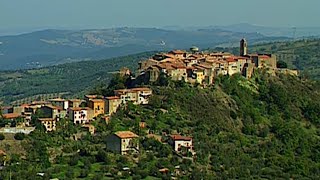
(156,13)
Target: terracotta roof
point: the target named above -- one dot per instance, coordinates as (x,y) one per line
(205,65)
(122,90)
(93,96)
(126,134)
(231,60)
(178,66)
(264,56)
(169,56)
(112,97)
(169,60)
(178,137)
(165,66)
(11,115)
(24,105)
(97,100)
(197,67)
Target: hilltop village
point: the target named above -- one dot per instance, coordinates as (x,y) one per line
(202,68)
(194,67)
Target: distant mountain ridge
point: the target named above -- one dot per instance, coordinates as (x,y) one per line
(52,47)
(292,32)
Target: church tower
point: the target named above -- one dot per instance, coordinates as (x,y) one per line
(243,47)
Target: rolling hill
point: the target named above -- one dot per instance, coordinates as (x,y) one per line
(52,47)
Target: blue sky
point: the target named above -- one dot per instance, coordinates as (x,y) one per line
(15,14)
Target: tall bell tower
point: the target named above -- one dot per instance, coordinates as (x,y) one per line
(243,47)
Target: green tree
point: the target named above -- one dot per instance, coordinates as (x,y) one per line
(282,64)
(2,137)
(19,136)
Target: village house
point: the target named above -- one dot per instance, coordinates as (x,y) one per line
(59,102)
(123,142)
(112,104)
(49,123)
(97,105)
(181,143)
(74,103)
(50,111)
(80,115)
(202,68)
(134,95)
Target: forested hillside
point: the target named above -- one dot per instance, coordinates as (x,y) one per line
(267,127)
(70,78)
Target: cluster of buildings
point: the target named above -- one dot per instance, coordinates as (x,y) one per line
(127,142)
(202,68)
(79,111)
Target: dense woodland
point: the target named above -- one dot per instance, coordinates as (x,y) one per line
(265,127)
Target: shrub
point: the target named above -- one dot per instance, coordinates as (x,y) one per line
(2,137)
(19,136)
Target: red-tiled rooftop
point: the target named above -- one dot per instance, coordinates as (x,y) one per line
(169,56)
(264,56)
(11,115)
(96,100)
(126,134)
(112,97)
(165,66)
(231,60)
(179,66)
(24,105)
(178,137)
(93,96)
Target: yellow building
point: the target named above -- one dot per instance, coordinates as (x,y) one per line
(112,104)
(97,105)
